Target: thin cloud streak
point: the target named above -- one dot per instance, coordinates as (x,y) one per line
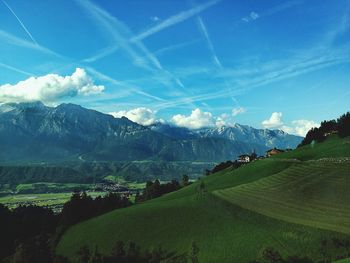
(130,89)
(278,8)
(101,54)
(20,21)
(121,34)
(175,47)
(116,29)
(293,68)
(215,58)
(205,33)
(11,39)
(173,20)
(202,97)
(264,76)
(16,70)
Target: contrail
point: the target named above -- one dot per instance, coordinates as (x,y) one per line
(19,20)
(9,38)
(16,69)
(173,20)
(204,31)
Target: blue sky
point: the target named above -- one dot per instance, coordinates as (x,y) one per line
(273,64)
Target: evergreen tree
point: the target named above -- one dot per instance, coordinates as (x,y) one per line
(185,180)
(84,254)
(194,251)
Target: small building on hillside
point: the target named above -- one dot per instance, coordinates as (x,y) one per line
(273,151)
(244,158)
(330,133)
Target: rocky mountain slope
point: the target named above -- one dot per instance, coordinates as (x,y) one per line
(33,132)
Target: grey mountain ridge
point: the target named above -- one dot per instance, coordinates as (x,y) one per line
(33,132)
(237,132)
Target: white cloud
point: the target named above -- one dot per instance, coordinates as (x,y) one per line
(274,122)
(155,18)
(220,122)
(50,88)
(143,116)
(301,127)
(252,16)
(238,110)
(297,127)
(197,119)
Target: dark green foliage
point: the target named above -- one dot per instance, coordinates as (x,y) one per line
(185,180)
(29,232)
(132,253)
(30,174)
(341,246)
(194,251)
(34,249)
(344,125)
(84,254)
(81,207)
(340,126)
(315,134)
(155,189)
(270,255)
(224,165)
(22,224)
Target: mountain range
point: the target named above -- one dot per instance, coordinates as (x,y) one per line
(33,132)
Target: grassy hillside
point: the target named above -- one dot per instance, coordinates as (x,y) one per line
(332,147)
(314,193)
(222,228)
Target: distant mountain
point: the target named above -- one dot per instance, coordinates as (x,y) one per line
(33,132)
(235,133)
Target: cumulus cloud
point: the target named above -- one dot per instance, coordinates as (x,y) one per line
(237,111)
(143,116)
(198,119)
(220,121)
(50,88)
(274,122)
(297,127)
(301,127)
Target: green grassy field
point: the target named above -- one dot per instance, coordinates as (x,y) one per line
(49,187)
(223,229)
(313,193)
(347,260)
(51,199)
(332,147)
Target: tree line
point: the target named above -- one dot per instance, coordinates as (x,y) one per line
(29,233)
(34,228)
(156,189)
(131,252)
(330,250)
(341,126)
(223,165)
